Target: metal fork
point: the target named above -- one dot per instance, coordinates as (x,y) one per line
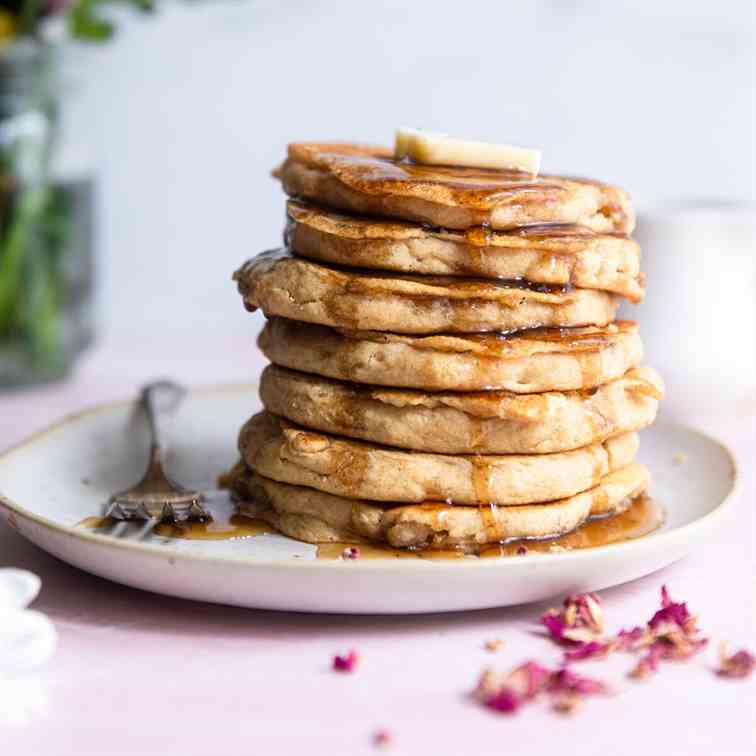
(156,496)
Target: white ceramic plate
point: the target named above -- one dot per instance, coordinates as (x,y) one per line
(61,476)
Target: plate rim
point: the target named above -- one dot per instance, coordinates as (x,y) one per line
(15,509)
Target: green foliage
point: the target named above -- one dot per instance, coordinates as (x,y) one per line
(86,21)
(32,282)
(28,15)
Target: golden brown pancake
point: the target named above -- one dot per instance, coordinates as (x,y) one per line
(558,255)
(279,450)
(526,362)
(292,287)
(367,180)
(485,422)
(317,517)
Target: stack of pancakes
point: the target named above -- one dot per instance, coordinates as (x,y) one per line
(447,371)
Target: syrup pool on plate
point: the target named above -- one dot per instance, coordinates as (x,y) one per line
(644,516)
(225,523)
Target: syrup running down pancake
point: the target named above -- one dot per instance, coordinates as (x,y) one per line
(369,181)
(287,453)
(292,287)
(484,422)
(318,517)
(543,359)
(554,254)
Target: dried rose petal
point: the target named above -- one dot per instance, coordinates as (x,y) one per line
(565,681)
(579,621)
(522,550)
(488,684)
(672,633)
(566,704)
(678,645)
(672,646)
(351,552)
(506,692)
(580,635)
(628,640)
(590,650)
(589,608)
(739,665)
(672,614)
(505,701)
(554,624)
(528,680)
(346,663)
(648,664)
(381,738)
(567,689)
(665,598)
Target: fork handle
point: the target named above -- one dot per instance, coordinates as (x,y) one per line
(157,399)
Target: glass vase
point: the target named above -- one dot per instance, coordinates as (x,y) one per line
(45,228)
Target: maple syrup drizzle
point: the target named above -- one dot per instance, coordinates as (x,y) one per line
(478,187)
(556,248)
(479,236)
(338,358)
(225,524)
(326,220)
(481,470)
(644,516)
(459,305)
(481,478)
(361,280)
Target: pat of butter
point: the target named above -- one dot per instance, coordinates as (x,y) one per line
(428,148)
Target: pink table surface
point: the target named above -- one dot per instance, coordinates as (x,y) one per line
(137,673)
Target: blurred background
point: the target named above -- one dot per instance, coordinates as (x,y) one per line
(181,116)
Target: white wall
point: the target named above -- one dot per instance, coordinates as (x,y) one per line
(186,113)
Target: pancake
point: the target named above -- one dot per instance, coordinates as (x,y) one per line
(317,517)
(558,255)
(490,422)
(295,288)
(367,180)
(524,362)
(277,449)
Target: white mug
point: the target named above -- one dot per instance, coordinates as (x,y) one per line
(698,320)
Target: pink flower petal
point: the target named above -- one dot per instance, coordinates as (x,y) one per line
(590,650)
(381,738)
(505,701)
(665,599)
(346,663)
(579,621)
(739,665)
(554,624)
(567,681)
(627,640)
(528,680)
(648,663)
